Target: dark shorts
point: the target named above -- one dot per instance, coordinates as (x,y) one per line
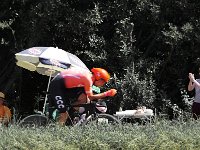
(196,110)
(60,96)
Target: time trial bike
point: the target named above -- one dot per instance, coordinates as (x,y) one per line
(92,112)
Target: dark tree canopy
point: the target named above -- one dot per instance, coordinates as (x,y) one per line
(149,46)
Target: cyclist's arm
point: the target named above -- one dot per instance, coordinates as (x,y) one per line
(93,96)
(96,96)
(88,90)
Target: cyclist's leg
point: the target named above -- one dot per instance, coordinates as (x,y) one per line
(58,98)
(77,96)
(82,99)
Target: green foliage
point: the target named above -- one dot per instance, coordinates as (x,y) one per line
(5,24)
(162,134)
(123,44)
(173,36)
(138,89)
(93,144)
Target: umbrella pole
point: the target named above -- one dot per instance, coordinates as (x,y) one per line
(45,100)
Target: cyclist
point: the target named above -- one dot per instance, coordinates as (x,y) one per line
(75,86)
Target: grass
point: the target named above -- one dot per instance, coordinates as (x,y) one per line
(161,135)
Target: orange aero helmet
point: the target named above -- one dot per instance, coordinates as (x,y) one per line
(100,73)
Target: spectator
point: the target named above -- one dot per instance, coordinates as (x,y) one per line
(5,113)
(195,84)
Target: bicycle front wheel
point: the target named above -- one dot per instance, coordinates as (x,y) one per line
(102,119)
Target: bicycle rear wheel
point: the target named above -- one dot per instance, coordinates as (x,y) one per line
(36,120)
(102,119)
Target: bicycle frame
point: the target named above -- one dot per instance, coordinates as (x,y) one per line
(90,109)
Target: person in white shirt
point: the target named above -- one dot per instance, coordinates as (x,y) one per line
(194,84)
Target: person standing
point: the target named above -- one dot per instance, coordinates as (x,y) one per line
(194,84)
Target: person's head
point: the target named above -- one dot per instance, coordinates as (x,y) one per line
(2,97)
(101,76)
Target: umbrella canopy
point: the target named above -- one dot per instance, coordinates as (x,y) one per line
(48,60)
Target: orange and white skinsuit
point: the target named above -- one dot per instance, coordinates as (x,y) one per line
(75,78)
(78,78)
(70,87)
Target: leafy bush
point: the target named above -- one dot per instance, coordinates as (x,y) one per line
(138,89)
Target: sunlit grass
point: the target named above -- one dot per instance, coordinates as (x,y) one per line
(161,135)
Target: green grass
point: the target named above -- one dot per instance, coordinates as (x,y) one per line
(161,135)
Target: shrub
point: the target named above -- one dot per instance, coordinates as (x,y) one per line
(138,88)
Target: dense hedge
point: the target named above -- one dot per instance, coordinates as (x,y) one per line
(161,135)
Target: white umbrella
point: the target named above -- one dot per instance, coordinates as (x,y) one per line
(44,60)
